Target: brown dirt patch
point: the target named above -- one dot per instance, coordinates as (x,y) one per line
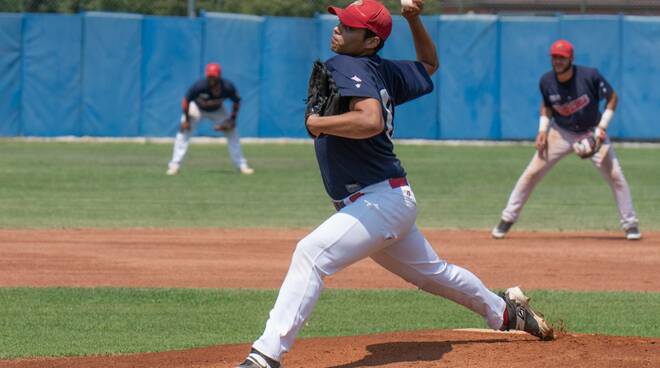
(217,258)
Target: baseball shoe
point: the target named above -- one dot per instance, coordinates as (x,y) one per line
(633,233)
(522,317)
(501,229)
(257,360)
(172,169)
(246,170)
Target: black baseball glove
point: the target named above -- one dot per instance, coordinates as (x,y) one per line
(322,94)
(587,145)
(227,125)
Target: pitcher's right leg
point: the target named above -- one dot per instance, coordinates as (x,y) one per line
(413,259)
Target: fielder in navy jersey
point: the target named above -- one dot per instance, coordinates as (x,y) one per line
(570,109)
(205,100)
(376,207)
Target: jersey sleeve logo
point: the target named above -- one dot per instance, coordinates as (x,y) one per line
(603,87)
(572,107)
(358,81)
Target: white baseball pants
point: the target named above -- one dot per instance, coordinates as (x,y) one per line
(560,144)
(381,225)
(196,115)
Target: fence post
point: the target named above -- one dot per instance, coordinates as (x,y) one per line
(191,8)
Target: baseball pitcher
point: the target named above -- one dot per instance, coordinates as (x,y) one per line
(350,112)
(205,100)
(571,122)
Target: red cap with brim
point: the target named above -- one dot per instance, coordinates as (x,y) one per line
(369,14)
(562,48)
(213,70)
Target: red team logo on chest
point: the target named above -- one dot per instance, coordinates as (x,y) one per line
(570,108)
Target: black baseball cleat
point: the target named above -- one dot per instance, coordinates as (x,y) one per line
(501,229)
(258,360)
(522,317)
(633,233)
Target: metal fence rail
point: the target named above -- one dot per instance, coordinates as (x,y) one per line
(645,7)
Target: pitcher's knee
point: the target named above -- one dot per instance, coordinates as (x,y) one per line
(306,255)
(308,245)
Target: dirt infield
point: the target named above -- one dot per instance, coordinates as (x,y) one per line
(216,258)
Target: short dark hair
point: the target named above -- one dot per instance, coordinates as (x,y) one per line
(369,33)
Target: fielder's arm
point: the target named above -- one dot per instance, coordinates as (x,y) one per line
(234,109)
(542,136)
(185,125)
(607,116)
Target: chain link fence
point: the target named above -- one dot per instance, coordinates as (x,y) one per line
(306,8)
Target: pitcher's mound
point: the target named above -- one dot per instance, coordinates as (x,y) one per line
(445,348)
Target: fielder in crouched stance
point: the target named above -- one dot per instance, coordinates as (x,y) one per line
(376,207)
(569,112)
(205,100)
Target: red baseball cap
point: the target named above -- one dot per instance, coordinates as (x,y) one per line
(213,70)
(562,48)
(369,14)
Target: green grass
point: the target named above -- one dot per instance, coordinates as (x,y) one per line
(71,321)
(112,185)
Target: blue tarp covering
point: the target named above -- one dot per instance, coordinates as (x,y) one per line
(104,74)
(524,46)
(51,75)
(10,75)
(240,58)
(111,75)
(468,102)
(171,58)
(287,61)
(640,93)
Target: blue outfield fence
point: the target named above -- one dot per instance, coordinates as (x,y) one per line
(123,75)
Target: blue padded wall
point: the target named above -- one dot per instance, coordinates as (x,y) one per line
(171,55)
(287,58)
(124,75)
(524,47)
(10,78)
(111,75)
(235,41)
(51,74)
(468,102)
(640,94)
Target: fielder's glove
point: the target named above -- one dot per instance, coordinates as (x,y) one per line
(322,94)
(588,144)
(226,125)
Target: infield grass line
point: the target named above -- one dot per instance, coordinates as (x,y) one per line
(103,321)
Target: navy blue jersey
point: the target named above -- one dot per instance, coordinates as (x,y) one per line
(575,103)
(347,165)
(207,99)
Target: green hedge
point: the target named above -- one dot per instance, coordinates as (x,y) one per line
(305,8)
